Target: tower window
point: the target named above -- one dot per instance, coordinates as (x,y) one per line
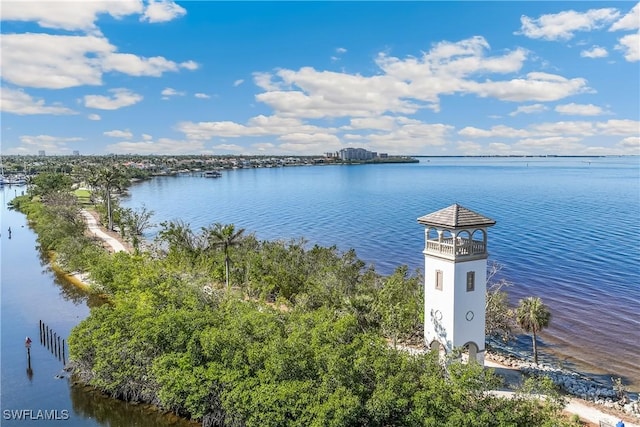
(471,281)
(439,280)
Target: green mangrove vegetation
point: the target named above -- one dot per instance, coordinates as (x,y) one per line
(220,327)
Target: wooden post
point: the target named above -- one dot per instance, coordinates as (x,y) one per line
(59,349)
(27,344)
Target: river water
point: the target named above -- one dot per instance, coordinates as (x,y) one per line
(566,231)
(31,292)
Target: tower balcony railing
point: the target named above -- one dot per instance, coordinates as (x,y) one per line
(455,247)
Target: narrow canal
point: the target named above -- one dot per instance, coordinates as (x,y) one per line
(31,292)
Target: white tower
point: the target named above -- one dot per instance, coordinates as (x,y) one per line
(455,259)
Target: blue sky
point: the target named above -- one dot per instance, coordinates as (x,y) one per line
(305,78)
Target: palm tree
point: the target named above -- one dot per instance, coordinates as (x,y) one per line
(224,236)
(533,316)
(109,179)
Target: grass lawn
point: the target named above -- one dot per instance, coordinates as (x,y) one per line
(84,196)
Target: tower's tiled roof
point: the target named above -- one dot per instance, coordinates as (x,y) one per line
(456,216)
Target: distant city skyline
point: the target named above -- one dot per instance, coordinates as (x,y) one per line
(307,78)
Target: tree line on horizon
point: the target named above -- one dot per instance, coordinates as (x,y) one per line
(220,327)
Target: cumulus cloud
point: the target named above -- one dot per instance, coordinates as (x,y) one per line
(529,109)
(162,11)
(595,52)
(94,117)
(121,98)
(16,101)
(238,82)
(62,61)
(630,45)
(202,95)
(579,109)
(124,134)
(564,25)
(411,84)
(68,15)
(631,21)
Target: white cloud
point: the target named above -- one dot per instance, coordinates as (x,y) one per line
(189,65)
(121,98)
(202,96)
(554,144)
(412,136)
(562,129)
(301,143)
(68,15)
(16,101)
(378,123)
(238,82)
(133,65)
(31,144)
(631,142)
(410,84)
(125,134)
(228,148)
(161,146)
(579,109)
(499,131)
(341,50)
(536,86)
(168,92)
(529,109)
(61,61)
(331,94)
(146,137)
(595,52)
(256,126)
(619,127)
(564,25)
(162,11)
(94,117)
(631,21)
(630,45)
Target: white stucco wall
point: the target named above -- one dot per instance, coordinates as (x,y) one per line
(453,302)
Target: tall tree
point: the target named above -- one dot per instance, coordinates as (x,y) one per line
(110,180)
(533,316)
(225,237)
(135,222)
(500,317)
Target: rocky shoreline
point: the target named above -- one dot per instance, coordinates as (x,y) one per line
(574,383)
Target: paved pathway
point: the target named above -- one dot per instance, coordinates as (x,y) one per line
(93,226)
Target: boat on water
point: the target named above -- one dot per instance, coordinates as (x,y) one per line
(13,180)
(212,174)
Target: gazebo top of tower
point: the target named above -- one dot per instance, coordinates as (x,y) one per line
(456,216)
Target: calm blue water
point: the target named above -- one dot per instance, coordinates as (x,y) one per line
(567,230)
(30,292)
